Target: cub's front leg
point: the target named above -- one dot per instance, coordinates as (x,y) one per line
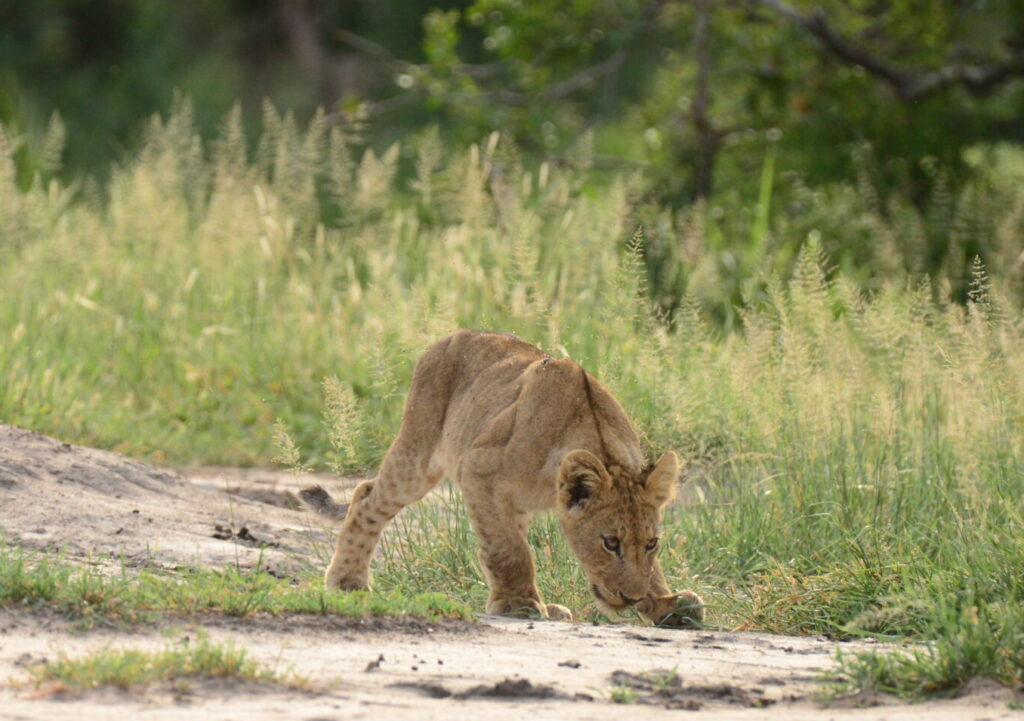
(507,561)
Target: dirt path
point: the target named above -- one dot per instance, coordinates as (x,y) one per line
(87,502)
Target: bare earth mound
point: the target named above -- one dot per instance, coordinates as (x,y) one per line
(90,503)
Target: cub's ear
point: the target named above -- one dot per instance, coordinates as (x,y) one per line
(661,481)
(581,476)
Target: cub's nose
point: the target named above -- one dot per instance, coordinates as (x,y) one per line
(627,600)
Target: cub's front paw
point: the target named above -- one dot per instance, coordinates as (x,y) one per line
(682,610)
(346,582)
(517,608)
(558,612)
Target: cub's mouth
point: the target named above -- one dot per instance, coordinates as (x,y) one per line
(607,602)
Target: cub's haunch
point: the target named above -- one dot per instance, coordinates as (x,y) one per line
(520,432)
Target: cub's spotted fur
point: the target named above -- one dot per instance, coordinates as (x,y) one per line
(520,432)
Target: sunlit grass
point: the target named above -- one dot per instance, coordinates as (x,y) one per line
(91,597)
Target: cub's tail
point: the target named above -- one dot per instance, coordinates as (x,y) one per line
(316,499)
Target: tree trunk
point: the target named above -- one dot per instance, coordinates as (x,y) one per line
(708,136)
(335,75)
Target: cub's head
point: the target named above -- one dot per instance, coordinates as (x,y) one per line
(611,520)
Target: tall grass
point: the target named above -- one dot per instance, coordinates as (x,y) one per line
(857,443)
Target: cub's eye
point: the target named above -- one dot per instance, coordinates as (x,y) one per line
(652,544)
(611,544)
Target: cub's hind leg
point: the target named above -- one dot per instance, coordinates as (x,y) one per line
(374,503)
(407,474)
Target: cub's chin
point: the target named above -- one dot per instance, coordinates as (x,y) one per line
(609,608)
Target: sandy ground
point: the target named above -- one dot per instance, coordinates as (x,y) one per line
(90,503)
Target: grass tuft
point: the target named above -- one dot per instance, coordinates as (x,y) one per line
(622,694)
(972,642)
(135,670)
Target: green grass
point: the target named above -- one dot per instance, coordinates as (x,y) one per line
(622,694)
(984,641)
(134,670)
(92,597)
(856,434)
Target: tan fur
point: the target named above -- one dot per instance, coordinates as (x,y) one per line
(520,432)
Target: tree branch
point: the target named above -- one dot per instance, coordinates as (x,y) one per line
(384,56)
(579,81)
(909,85)
(376,51)
(585,78)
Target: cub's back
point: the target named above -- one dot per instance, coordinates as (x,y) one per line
(511,406)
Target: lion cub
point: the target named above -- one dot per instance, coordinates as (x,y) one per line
(520,432)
